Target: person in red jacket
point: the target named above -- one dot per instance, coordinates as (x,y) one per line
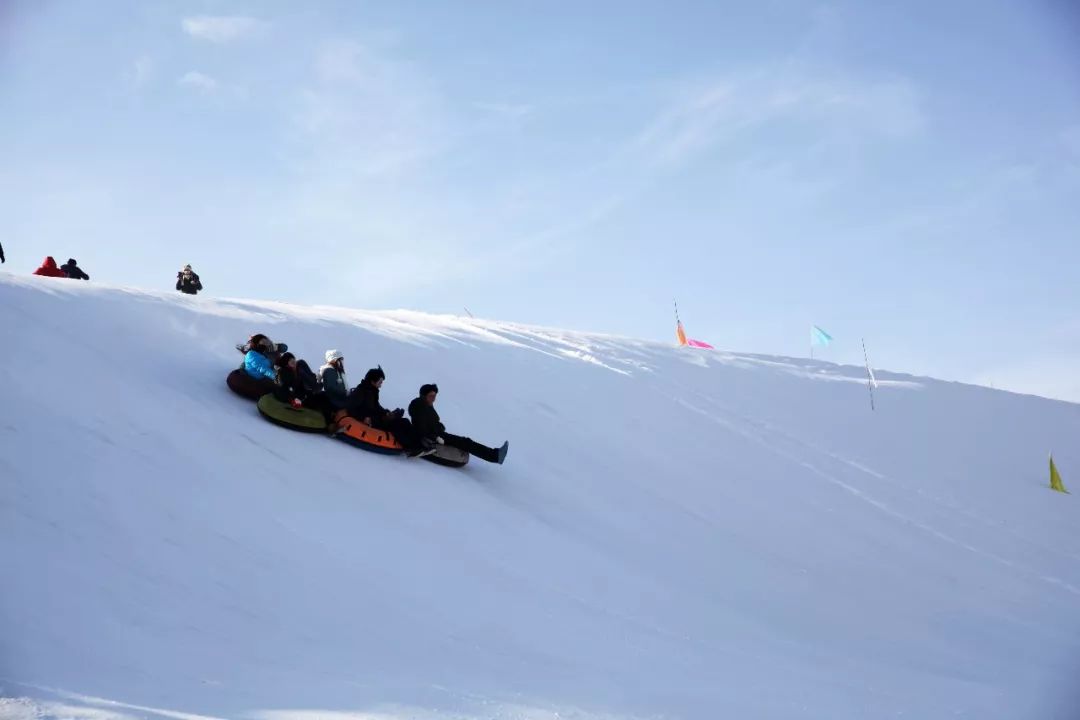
(49,269)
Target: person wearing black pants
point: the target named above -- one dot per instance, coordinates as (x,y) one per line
(431,431)
(296,382)
(363,405)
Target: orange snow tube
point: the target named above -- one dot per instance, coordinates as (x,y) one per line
(364,436)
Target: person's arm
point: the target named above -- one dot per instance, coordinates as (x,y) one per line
(258,364)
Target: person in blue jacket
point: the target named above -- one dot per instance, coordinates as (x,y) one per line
(257,361)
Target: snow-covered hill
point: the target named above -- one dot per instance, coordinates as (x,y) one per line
(676,534)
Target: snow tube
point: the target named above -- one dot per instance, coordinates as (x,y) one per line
(364,436)
(246,386)
(448,457)
(286,415)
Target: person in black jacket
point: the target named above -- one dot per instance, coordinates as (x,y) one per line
(431,431)
(187,281)
(2,260)
(299,386)
(364,405)
(73,271)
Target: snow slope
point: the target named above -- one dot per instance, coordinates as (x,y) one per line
(676,534)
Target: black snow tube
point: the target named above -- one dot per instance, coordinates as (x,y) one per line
(448,457)
(248,387)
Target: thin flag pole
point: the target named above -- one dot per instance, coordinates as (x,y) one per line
(869,377)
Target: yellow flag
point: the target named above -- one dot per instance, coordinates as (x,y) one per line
(1055,478)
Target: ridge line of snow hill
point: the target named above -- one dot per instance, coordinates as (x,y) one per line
(676,534)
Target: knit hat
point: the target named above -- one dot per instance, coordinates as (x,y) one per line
(332,355)
(187,268)
(375,373)
(71,261)
(430,387)
(284,359)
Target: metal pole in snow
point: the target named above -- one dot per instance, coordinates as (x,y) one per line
(869,376)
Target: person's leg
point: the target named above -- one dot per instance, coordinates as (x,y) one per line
(320,403)
(472,447)
(403,432)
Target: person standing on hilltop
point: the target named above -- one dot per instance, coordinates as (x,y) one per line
(2,260)
(187,281)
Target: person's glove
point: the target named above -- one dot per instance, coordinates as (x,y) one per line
(296,404)
(440,440)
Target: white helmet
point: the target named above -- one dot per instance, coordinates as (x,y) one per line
(332,355)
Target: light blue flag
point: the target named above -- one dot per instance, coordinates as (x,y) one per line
(819,336)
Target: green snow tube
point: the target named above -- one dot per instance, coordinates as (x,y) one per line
(280,413)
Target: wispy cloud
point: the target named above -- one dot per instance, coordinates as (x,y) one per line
(1070,138)
(142,71)
(221,28)
(723,109)
(366,128)
(512,110)
(198,81)
(369,111)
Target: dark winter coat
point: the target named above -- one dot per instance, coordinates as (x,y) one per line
(333,382)
(2,254)
(300,383)
(73,271)
(425,420)
(307,377)
(188,285)
(364,403)
(49,269)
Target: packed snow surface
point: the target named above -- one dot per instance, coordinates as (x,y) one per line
(675,534)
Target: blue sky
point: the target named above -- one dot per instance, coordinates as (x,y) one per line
(904,172)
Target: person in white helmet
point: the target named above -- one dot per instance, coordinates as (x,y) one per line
(332,376)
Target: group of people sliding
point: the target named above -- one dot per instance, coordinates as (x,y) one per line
(292,381)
